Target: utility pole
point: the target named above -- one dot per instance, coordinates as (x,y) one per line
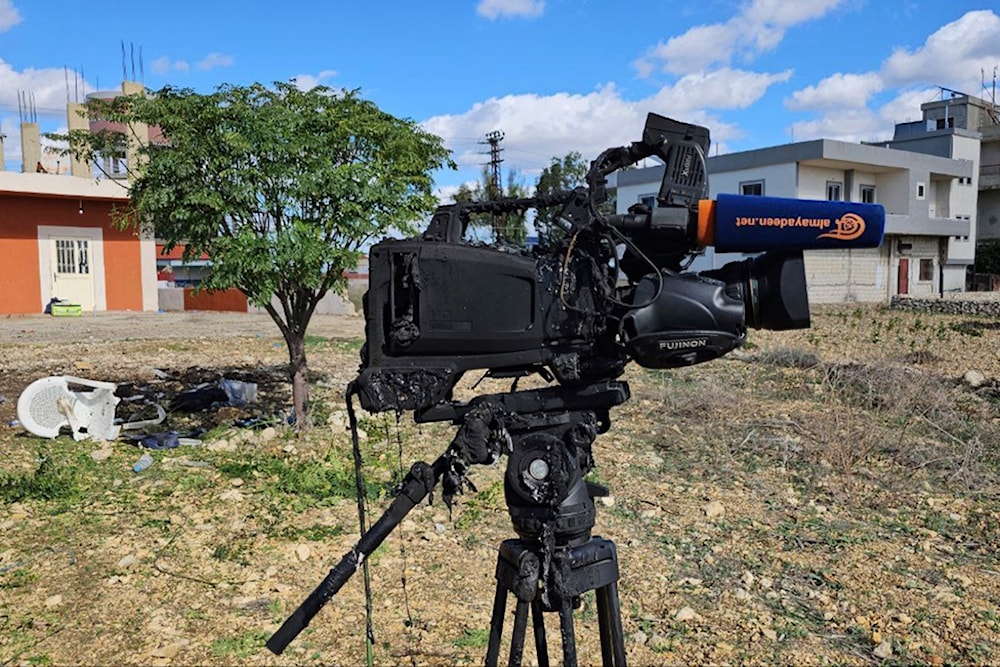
(495,187)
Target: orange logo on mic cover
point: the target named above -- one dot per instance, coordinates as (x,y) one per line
(849,227)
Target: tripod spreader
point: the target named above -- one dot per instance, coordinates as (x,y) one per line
(416,486)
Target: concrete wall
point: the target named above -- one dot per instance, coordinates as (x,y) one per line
(176,299)
(171,299)
(779,180)
(847,276)
(25,285)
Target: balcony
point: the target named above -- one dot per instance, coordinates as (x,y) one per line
(925,226)
(989,176)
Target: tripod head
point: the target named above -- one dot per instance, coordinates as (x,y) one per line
(548,436)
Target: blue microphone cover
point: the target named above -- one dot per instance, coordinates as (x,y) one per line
(748,223)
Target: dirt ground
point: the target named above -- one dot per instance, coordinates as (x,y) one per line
(166,326)
(828,496)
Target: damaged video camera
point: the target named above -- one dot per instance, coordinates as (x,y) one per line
(612,289)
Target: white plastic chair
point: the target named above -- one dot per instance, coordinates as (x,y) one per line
(86,406)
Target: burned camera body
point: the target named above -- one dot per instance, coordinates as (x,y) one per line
(611,290)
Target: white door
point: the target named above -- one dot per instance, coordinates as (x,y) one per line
(72,271)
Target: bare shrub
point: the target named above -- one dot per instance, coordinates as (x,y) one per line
(918,420)
(786,357)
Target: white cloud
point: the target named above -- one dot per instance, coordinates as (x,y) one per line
(9,16)
(306,82)
(905,107)
(538,128)
(953,56)
(759,27)
(838,91)
(213,60)
(783,13)
(12,141)
(854,125)
(719,89)
(164,65)
(494,9)
(692,51)
(47,86)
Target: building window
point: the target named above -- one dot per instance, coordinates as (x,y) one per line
(755,188)
(648,200)
(921,190)
(927,269)
(833,191)
(73,256)
(868,194)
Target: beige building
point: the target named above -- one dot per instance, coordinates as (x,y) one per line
(927,181)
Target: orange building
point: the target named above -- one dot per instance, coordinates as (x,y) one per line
(58,240)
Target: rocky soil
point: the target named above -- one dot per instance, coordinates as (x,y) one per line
(826,496)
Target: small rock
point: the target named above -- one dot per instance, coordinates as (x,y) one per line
(270,572)
(53,601)
(169,651)
(223,445)
(607,501)
(884,650)
(747,579)
(714,509)
(102,454)
(648,514)
(654,460)
(303,551)
(903,618)
(974,379)
(268,434)
(770,633)
(685,614)
(288,449)
(231,495)
(127,561)
(741,594)
(236,481)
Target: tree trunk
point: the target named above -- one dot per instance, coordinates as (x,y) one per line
(297,371)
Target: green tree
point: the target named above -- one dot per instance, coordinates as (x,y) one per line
(509,226)
(281,187)
(564,173)
(561,174)
(988,256)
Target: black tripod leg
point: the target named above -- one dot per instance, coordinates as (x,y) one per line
(568,634)
(609,619)
(517,636)
(538,623)
(496,625)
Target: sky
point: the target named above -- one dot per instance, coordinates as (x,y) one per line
(553,75)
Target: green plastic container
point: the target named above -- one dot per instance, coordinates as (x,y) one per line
(66,309)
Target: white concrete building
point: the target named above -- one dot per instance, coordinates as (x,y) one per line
(927,183)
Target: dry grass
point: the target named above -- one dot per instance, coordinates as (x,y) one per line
(858,479)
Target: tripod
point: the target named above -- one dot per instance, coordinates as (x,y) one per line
(547,435)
